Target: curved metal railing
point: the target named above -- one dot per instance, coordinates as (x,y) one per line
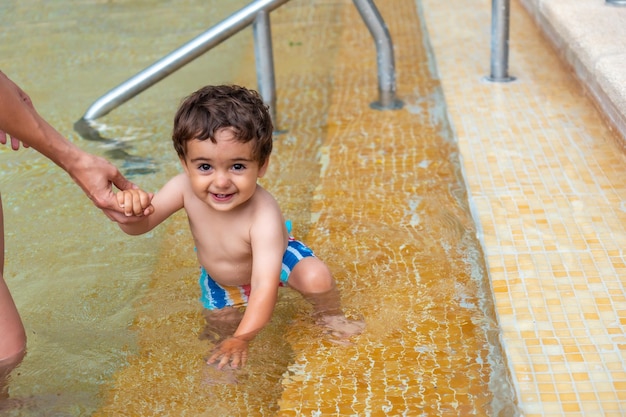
(257,14)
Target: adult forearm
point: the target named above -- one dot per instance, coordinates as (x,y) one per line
(50,143)
(95,175)
(19,119)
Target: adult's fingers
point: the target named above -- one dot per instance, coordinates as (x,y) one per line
(120,217)
(15,143)
(122,183)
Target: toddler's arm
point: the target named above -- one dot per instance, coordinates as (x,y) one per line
(234,350)
(268,239)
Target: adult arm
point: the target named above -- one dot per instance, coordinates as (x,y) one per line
(95,175)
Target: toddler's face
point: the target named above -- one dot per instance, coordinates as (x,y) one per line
(223,174)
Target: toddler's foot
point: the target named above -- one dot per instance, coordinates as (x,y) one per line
(341,328)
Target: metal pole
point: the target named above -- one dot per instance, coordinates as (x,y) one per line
(616,2)
(500,12)
(180,57)
(384,54)
(265,61)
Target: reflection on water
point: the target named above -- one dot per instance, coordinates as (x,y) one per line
(116,149)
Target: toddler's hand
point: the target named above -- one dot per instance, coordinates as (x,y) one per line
(231,350)
(135,202)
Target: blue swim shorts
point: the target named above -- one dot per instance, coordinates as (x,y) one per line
(216,296)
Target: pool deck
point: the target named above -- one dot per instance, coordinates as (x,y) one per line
(547,184)
(590,36)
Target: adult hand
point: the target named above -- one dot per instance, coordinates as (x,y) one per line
(96,176)
(15,142)
(232,350)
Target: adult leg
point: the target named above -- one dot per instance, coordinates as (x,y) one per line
(6,366)
(12,333)
(13,340)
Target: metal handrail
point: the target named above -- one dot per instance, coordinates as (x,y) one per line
(384,53)
(180,57)
(256,13)
(500,15)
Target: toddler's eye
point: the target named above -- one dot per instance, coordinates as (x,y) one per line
(238,167)
(204,167)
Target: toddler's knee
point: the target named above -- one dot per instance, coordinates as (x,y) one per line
(317,279)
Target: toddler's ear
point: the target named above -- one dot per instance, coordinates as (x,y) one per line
(184,164)
(263,168)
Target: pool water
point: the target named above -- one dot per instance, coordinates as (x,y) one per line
(113,321)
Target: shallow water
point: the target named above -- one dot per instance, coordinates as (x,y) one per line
(73,274)
(113,321)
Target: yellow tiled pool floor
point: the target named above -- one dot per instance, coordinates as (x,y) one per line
(547,193)
(548,187)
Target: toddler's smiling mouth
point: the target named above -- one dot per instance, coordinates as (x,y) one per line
(221,196)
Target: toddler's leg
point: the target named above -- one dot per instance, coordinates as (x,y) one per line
(221,324)
(312,278)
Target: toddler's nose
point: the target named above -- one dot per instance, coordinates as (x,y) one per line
(222,180)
